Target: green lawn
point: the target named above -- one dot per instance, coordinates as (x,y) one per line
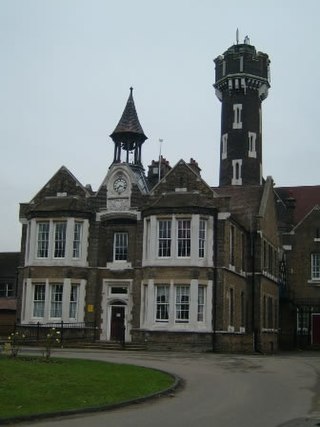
(31,386)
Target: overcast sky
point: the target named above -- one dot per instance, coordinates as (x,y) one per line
(67,66)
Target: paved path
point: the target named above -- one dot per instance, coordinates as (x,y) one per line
(220,391)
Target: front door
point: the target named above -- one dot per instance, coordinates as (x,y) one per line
(117,330)
(316,329)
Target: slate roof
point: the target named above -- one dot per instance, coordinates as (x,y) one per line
(129,122)
(306,197)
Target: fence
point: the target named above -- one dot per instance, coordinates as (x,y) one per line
(35,333)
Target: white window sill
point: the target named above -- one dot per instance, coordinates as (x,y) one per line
(119,265)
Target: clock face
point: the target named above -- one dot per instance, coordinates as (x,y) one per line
(119,185)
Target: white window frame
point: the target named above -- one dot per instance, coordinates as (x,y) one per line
(183,238)
(164,238)
(74,301)
(77,239)
(60,239)
(201,303)
(252,151)
(120,246)
(315,266)
(224,142)
(38,290)
(203,224)
(7,290)
(237,120)
(56,300)
(182,303)
(43,239)
(162,298)
(237,172)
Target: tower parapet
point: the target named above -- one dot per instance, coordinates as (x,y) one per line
(242,80)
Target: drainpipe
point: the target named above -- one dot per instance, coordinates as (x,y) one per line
(254,331)
(215,280)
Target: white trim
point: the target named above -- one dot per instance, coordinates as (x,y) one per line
(237,120)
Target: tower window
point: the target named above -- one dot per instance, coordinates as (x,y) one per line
(241,64)
(224,140)
(120,245)
(237,177)
(252,144)
(237,123)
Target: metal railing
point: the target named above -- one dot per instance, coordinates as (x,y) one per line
(35,333)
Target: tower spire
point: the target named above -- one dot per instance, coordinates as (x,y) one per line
(128,135)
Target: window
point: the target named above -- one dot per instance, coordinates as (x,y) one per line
(119,290)
(43,240)
(39,292)
(243,252)
(231,307)
(304,320)
(77,234)
(120,246)
(56,300)
(224,151)
(243,310)
(164,241)
(73,307)
(237,123)
(182,304)
(162,303)
(232,244)
(200,316)
(6,290)
(252,144)
(315,266)
(202,237)
(236,166)
(184,237)
(60,229)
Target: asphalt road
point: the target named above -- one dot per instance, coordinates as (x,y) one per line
(220,391)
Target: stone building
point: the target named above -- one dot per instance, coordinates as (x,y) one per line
(9,262)
(164,259)
(299,226)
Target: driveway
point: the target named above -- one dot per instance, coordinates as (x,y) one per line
(220,391)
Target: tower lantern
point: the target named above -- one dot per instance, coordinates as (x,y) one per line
(241,84)
(128,135)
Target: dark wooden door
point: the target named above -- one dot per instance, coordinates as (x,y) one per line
(117,332)
(316,329)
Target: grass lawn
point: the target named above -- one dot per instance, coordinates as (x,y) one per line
(31,386)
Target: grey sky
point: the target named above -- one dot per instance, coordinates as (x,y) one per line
(66,69)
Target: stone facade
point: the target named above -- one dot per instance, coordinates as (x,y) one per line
(165,259)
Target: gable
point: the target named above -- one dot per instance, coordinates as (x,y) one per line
(62,184)
(182,179)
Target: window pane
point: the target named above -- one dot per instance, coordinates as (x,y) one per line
(73,308)
(164,243)
(202,237)
(77,234)
(43,240)
(38,300)
(56,300)
(120,246)
(182,304)
(162,303)
(200,303)
(184,238)
(60,239)
(315,266)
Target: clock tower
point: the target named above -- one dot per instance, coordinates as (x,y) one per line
(241,83)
